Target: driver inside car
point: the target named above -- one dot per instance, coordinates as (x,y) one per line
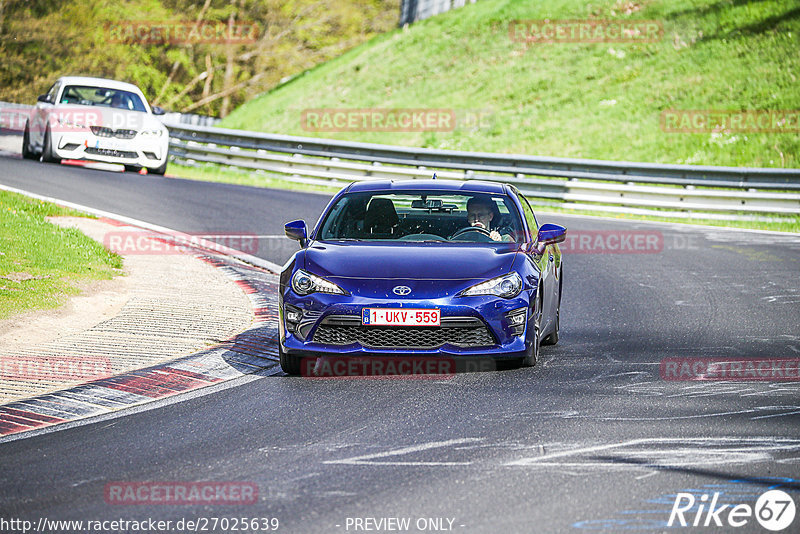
(483,213)
(119,101)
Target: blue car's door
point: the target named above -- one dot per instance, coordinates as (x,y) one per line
(546,265)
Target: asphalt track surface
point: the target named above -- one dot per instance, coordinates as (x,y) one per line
(592,438)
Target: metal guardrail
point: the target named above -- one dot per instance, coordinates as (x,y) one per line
(682,190)
(190,118)
(613,186)
(12,117)
(414,10)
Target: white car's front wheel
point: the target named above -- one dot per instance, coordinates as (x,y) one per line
(47,149)
(160,170)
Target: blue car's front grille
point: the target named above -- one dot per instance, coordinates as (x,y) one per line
(467,332)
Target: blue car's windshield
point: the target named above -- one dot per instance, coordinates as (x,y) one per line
(422,216)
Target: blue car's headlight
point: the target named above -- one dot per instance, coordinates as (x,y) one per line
(305,283)
(506,286)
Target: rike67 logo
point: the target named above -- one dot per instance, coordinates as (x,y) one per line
(774,510)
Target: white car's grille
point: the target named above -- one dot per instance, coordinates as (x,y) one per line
(102,131)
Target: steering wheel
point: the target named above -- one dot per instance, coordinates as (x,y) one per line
(467,229)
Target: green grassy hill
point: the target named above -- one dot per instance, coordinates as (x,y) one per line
(588,100)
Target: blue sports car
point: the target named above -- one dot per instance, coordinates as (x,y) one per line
(422,269)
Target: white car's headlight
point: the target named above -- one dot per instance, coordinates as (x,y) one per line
(506,286)
(152,133)
(67,123)
(305,283)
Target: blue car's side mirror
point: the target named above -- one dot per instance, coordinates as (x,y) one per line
(550,234)
(297,230)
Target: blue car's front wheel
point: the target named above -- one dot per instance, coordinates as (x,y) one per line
(536,341)
(533,351)
(290,364)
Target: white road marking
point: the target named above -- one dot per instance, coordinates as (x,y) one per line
(572,452)
(367,459)
(677,453)
(775,414)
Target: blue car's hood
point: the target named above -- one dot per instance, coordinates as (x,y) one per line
(410,261)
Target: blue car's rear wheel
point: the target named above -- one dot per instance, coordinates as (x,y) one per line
(552,339)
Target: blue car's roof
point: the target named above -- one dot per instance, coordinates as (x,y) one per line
(438,185)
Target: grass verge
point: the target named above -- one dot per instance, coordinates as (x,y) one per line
(40,263)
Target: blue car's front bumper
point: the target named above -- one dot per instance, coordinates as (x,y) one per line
(470,326)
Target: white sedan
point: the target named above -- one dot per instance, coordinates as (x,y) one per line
(96,119)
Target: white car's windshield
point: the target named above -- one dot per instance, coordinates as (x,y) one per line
(102,96)
(422,216)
